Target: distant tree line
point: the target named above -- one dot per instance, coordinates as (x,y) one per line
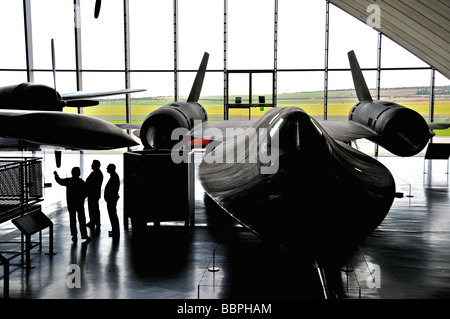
(426,91)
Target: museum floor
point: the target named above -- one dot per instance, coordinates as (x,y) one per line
(406,257)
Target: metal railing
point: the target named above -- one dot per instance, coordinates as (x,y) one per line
(20,184)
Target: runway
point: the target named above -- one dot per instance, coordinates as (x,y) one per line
(408,251)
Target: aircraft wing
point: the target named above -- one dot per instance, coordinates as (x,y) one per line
(438,126)
(129,126)
(84,95)
(14,144)
(220,130)
(62,130)
(216,130)
(346,131)
(135,127)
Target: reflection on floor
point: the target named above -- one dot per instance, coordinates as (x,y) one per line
(409,250)
(406,257)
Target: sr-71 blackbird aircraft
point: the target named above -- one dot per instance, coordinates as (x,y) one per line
(319,196)
(31,114)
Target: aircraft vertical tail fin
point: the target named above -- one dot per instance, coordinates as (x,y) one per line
(198,82)
(362,91)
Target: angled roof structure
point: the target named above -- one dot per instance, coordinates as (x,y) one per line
(420,26)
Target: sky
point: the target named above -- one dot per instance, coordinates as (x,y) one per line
(250,45)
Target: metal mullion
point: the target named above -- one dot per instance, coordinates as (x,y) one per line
(378,79)
(275,56)
(225,56)
(28,40)
(432,95)
(175,48)
(325,81)
(126,27)
(78,64)
(379,66)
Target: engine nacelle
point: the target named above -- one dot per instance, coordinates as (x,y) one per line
(30,96)
(157,128)
(403,131)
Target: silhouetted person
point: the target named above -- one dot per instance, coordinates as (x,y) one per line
(94,190)
(111,197)
(75,194)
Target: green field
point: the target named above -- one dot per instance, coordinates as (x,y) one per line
(339,105)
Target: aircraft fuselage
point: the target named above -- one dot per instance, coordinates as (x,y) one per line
(323,199)
(30,96)
(61,129)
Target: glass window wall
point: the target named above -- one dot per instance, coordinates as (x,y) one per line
(199,28)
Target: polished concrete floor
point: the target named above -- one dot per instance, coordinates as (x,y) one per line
(410,249)
(406,257)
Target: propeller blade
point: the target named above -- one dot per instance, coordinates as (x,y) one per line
(58,97)
(82,103)
(54,68)
(98,4)
(82,95)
